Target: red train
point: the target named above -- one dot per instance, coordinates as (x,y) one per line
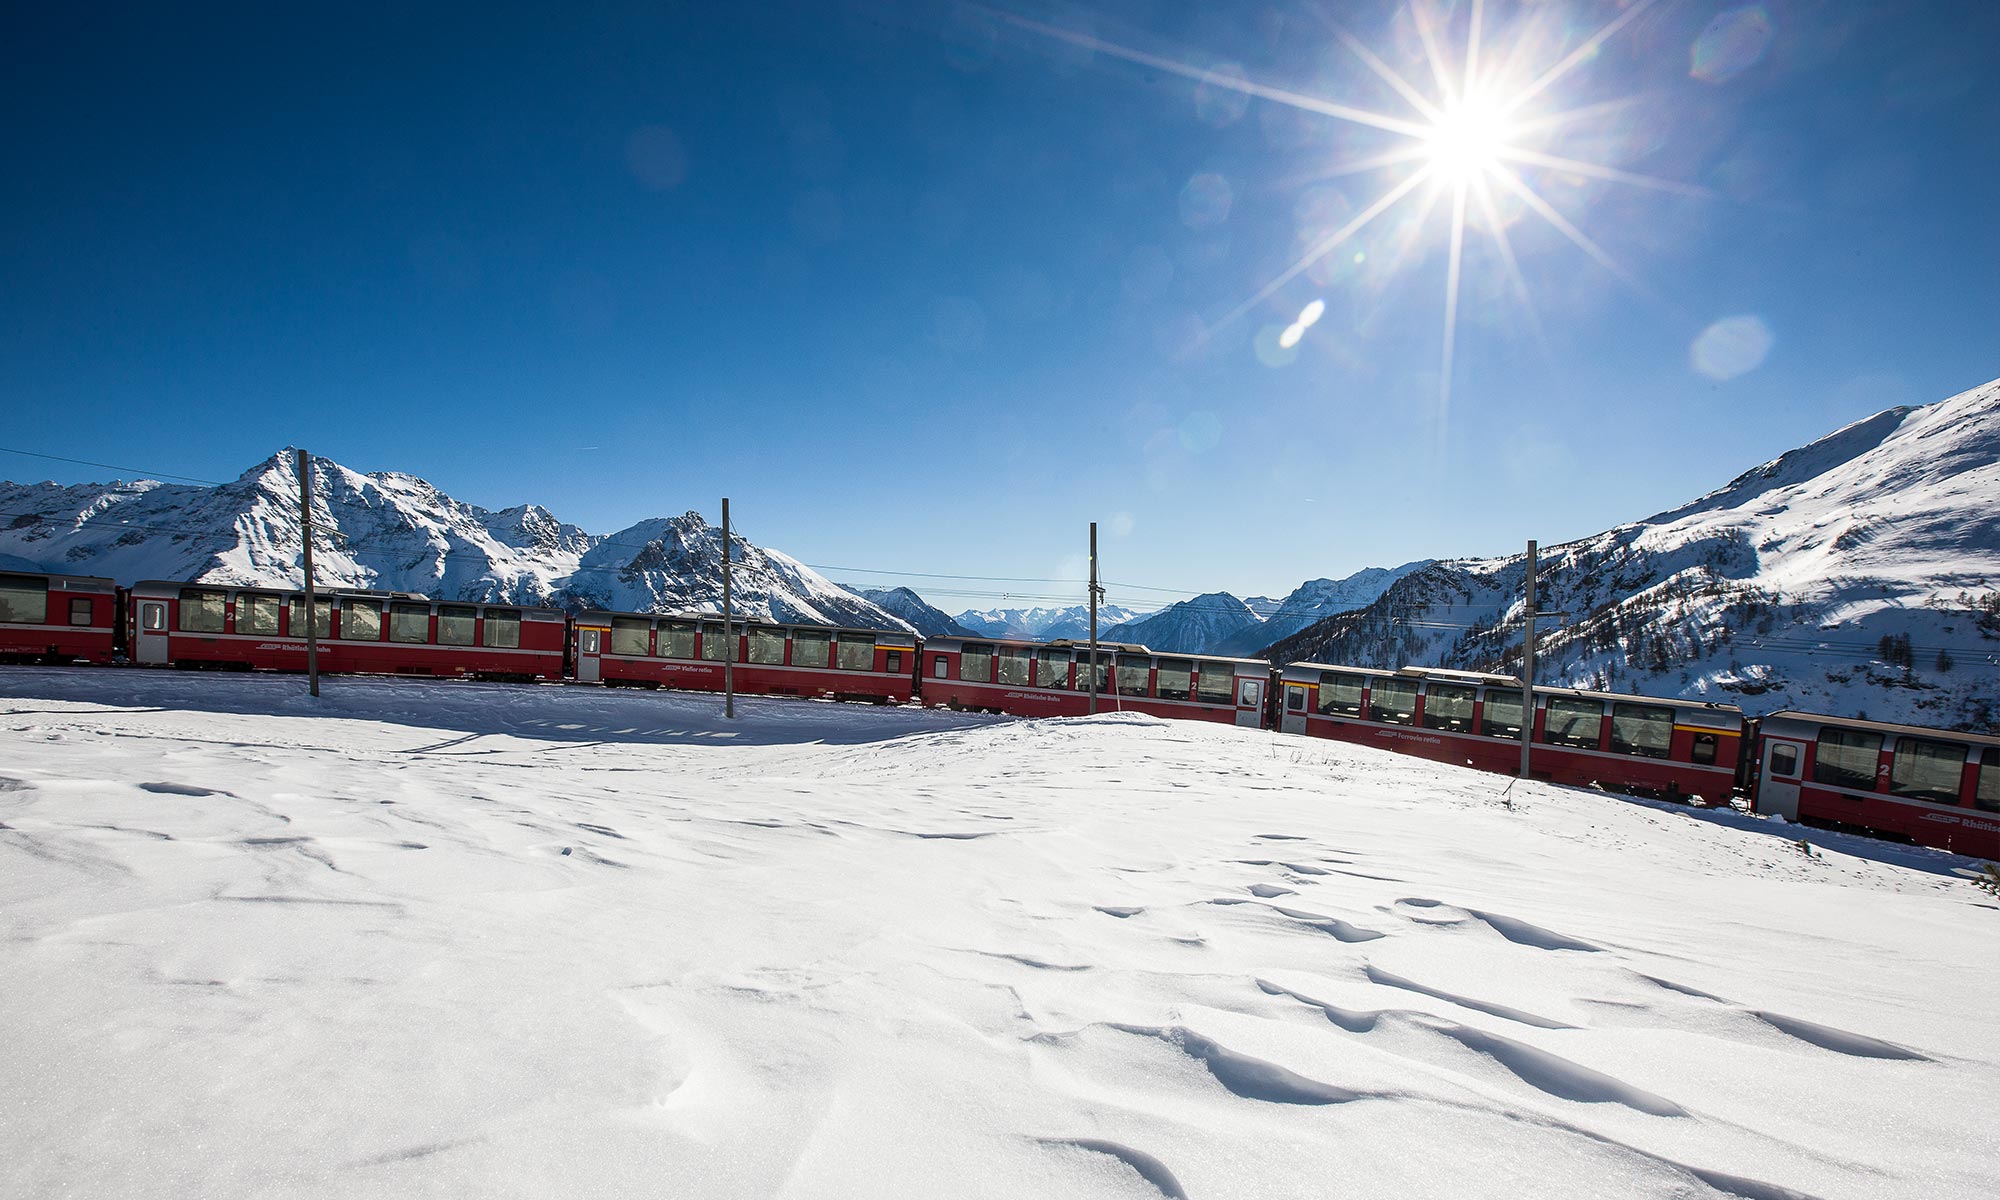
(1932,787)
(688,652)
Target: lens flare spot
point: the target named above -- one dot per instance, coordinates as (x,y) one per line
(1221,97)
(1732,43)
(1205,201)
(1200,432)
(1732,346)
(1310,314)
(1273,347)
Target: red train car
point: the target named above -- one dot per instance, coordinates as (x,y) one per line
(1636,744)
(688,652)
(381,633)
(57,618)
(1927,785)
(1052,679)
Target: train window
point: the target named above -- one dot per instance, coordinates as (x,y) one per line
(1135,675)
(676,640)
(202,612)
(1703,753)
(361,620)
(153,617)
(1572,721)
(1017,665)
(1393,701)
(940,665)
(322,617)
(856,651)
(718,646)
(1785,761)
(1052,668)
(1448,706)
(1176,679)
(975,663)
(455,625)
(503,628)
(256,614)
(1847,757)
(409,623)
(631,636)
(1295,698)
(811,647)
(1340,695)
(1925,770)
(1643,729)
(1102,670)
(1501,717)
(767,646)
(1988,795)
(895,661)
(1216,683)
(587,640)
(79,611)
(24,599)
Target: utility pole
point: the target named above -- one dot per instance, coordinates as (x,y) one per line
(1094,589)
(1528,668)
(312,605)
(728,627)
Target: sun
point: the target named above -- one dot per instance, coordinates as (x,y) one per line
(1476,135)
(1466,139)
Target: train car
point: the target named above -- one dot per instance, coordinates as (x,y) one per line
(359,632)
(1052,679)
(687,651)
(1636,744)
(1929,786)
(57,618)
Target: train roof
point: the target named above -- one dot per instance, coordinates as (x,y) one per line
(1103,647)
(95,583)
(1442,674)
(1978,739)
(715,617)
(329,593)
(1446,675)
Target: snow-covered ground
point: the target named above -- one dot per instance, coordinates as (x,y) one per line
(471,940)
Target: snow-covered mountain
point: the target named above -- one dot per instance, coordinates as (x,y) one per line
(922,616)
(1189,626)
(1219,623)
(1859,574)
(396,532)
(1047,624)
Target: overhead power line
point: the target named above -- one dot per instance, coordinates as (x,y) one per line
(84,462)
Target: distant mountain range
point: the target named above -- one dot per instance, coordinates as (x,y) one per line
(904,603)
(1043,624)
(1219,623)
(395,532)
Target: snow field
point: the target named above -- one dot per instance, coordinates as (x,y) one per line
(462,939)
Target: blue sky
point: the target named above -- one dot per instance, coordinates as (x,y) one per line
(927,288)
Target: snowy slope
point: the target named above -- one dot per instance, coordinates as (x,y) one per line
(396,532)
(1858,574)
(477,940)
(922,616)
(1047,624)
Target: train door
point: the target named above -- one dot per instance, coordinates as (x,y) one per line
(149,637)
(589,654)
(1778,781)
(1250,702)
(1293,717)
